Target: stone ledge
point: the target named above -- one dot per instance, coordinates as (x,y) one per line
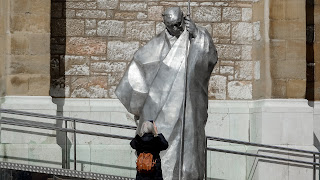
(28,103)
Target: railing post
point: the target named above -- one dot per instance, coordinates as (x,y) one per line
(75,145)
(314,166)
(206,166)
(66,146)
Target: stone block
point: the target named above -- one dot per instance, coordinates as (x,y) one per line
(218,125)
(102,68)
(38,155)
(110,28)
(296,49)
(125,15)
(155,13)
(278,49)
(277,10)
(19,44)
(58,27)
(242,33)
(295,10)
(287,30)
(231,14)
(91,24)
(246,53)
(56,9)
(39,44)
(86,46)
(83,158)
(15,153)
(17,85)
(140,30)
(228,51)
(239,126)
(18,23)
(74,27)
(279,88)
(296,88)
(141,15)
(76,65)
(40,6)
(244,70)
(76,5)
(20,6)
(91,14)
(133,6)
(39,85)
(21,64)
(91,5)
(39,23)
(240,90)
(118,50)
(114,78)
(221,30)
(69,13)
(246,14)
(296,70)
(107,4)
(206,14)
(93,87)
(226,70)
(226,166)
(113,160)
(262,169)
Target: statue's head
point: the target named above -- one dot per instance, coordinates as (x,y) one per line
(174,20)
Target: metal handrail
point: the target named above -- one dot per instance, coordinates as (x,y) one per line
(314,153)
(63,118)
(6,120)
(260,145)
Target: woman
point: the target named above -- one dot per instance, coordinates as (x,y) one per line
(150,142)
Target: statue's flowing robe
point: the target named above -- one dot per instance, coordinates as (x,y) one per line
(153,88)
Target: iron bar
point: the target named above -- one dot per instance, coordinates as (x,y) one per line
(75,145)
(314,167)
(260,145)
(66,146)
(62,118)
(262,156)
(3,121)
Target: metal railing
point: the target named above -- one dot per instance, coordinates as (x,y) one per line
(314,153)
(11,121)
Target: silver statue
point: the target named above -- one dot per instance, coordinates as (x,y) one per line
(156,86)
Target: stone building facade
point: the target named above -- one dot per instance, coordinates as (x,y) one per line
(66,57)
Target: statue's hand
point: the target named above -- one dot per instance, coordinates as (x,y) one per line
(191,27)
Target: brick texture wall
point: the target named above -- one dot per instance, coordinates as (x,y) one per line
(92,42)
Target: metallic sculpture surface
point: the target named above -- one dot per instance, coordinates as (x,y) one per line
(155,86)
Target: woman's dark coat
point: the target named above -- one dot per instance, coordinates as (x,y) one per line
(148,143)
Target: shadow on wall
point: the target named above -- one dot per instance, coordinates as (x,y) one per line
(57,70)
(310,94)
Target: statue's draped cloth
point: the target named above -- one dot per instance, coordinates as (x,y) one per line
(153,88)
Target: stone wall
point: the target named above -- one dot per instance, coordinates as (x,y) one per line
(25,32)
(316,50)
(282,51)
(93,41)
(2,47)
